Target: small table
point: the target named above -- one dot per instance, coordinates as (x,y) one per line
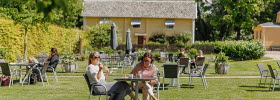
(136,83)
(22,64)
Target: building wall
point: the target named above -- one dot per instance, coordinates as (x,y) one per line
(149,26)
(278,18)
(272,37)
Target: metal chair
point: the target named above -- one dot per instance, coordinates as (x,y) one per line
(273,77)
(91,87)
(7,72)
(278,63)
(263,72)
(199,63)
(29,73)
(186,63)
(201,74)
(53,70)
(163,57)
(171,71)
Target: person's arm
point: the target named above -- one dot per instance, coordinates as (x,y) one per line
(98,76)
(106,72)
(154,74)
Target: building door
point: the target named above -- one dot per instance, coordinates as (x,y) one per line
(140,40)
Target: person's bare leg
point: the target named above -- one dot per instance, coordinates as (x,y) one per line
(145,93)
(132,96)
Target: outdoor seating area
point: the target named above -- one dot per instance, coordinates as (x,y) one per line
(139,49)
(187,84)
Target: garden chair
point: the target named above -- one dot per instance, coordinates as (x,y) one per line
(274,76)
(278,63)
(91,87)
(2,60)
(212,59)
(263,72)
(199,63)
(200,74)
(7,72)
(171,57)
(171,71)
(30,72)
(53,70)
(163,57)
(186,63)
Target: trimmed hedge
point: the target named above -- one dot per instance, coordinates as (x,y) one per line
(40,39)
(238,50)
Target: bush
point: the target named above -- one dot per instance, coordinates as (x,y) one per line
(159,37)
(40,39)
(99,35)
(238,50)
(192,53)
(242,50)
(221,61)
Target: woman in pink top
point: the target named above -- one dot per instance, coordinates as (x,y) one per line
(148,70)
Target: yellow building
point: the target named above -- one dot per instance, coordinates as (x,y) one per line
(269,34)
(143,18)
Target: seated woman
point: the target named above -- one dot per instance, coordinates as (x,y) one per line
(53,58)
(116,90)
(182,53)
(200,54)
(148,70)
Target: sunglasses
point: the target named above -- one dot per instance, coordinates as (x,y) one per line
(147,61)
(96,57)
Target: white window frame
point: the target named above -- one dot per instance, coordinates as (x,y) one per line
(104,20)
(169,24)
(136,23)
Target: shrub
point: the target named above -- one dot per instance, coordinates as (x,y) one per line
(158,37)
(242,50)
(221,59)
(99,35)
(238,50)
(192,53)
(40,39)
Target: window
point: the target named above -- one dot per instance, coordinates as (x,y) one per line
(104,20)
(136,23)
(169,24)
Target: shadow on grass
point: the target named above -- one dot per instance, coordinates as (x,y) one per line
(166,86)
(254,86)
(263,87)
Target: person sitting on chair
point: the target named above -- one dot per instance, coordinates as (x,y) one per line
(53,58)
(200,54)
(148,70)
(116,90)
(182,53)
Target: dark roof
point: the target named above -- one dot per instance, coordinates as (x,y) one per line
(142,8)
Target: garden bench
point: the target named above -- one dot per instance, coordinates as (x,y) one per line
(275,48)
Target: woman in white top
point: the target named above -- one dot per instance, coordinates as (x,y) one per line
(116,90)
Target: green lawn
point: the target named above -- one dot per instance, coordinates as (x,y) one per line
(75,88)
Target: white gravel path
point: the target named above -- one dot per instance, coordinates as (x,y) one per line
(275,55)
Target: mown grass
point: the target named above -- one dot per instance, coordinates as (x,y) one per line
(75,88)
(237,68)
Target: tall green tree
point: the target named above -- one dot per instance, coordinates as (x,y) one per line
(231,19)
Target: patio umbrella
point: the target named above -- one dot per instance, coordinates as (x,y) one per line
(128,41)
(114,40)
